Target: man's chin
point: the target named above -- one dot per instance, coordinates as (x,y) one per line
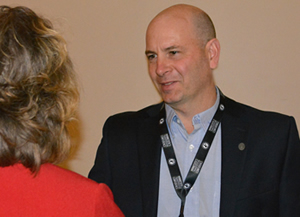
(171,102)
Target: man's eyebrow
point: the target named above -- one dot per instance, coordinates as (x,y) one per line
(149,52)
(166,49)
(171,48)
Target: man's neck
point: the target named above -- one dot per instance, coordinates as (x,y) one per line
(187,111)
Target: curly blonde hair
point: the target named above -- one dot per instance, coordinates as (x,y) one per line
(38,90)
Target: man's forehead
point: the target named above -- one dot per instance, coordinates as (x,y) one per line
(169,35)
(165,38)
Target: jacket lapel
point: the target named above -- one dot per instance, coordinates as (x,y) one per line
(234,150)
(150,154)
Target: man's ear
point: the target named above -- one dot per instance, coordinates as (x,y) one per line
(213,51)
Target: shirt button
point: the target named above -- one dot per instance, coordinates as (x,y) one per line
(178,121)
(191,147)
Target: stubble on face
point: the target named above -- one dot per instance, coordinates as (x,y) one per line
(180,78)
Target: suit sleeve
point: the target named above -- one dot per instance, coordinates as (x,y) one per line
(101,172)
(289,194)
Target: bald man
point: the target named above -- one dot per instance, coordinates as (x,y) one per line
(198,153)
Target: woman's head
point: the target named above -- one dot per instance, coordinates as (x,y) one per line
(38,90)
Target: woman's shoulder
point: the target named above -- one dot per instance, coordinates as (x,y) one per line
(86,189)
(59,174)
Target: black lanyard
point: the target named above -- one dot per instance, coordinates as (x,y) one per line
(183,188)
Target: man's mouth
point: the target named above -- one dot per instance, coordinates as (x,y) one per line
(169,83)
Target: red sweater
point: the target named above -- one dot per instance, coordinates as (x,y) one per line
(53,192)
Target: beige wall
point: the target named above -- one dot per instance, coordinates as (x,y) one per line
(260,55)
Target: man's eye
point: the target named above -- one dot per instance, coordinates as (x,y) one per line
(173,52)
(151,56)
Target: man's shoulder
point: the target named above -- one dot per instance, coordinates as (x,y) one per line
(244,111)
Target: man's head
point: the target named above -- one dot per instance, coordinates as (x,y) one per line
(182,51)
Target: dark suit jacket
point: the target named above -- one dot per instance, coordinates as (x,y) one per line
(263,179)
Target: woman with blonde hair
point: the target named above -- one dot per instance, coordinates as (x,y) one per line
(38,98)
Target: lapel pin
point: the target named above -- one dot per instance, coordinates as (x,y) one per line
(242,146)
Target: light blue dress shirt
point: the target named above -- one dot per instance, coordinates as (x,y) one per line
(203,199)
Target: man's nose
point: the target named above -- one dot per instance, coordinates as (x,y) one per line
(162,66)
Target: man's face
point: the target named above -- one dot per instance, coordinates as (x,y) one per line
(177,62)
